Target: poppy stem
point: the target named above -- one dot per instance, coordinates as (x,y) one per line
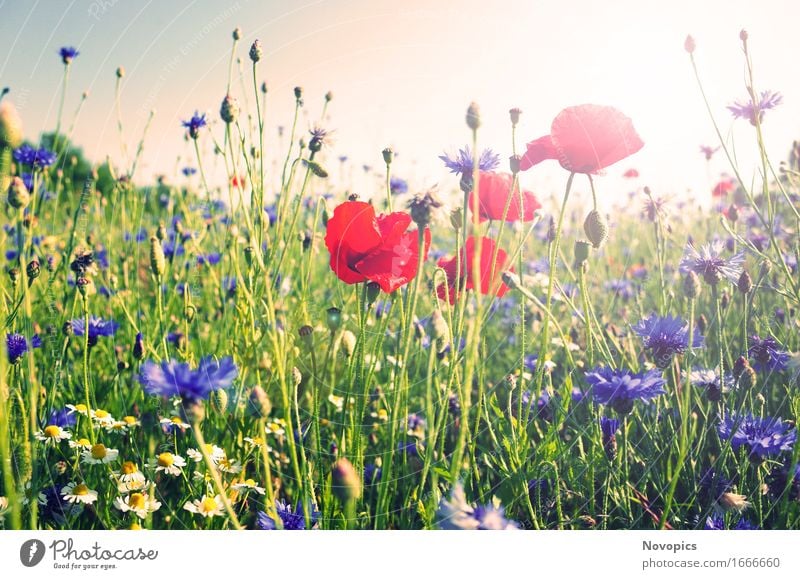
(550,283)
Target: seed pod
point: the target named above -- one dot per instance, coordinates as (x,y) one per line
(439,329)
(473,116)
(334,319)
(158,263)
(219,401)
(725,300)
(581,251)
(18,196)
(456,218)
(388,155)
(298,92)
(514,162)
(10,126)
(596,228)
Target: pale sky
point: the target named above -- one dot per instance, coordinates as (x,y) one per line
(403,73)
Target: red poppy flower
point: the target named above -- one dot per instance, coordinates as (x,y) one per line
(585,139)
(364,247)
(723,188)
(237,181)
(631,174)
(449,265)
(493,191)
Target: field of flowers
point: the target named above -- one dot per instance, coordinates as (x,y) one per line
(186,356)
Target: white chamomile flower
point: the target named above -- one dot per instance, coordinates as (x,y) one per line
(250,485)
(229,465)
(173,423)
(256,441)
(207,506)
(116,426)
(99,454)
(130,473)
(169,463)
(276,427)
(139,503)
(52,435)
(215,452)
(337,401)
(81,444)
(78,493)
(79,408)
(102,417)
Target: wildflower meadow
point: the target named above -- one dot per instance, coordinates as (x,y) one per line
(277,349)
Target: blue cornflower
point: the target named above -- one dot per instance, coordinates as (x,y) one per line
(754,112)
(64,418)
(621,288)
(458,514)
(68,53)
(762,437)
(398,186)
(415,423)
(745,525)
(98,327)
(372,474)
(461,162)
(33,157)
(708,263)
(194,124)
(665,337)
(715,522)
(291,519)
(175,379)
(767,355)
(210,259)
(609,426)
(17,346)
(620,388)
(538,490)
(543,409)
(188,171)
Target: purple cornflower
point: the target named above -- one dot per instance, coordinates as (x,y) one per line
(175,379)
(461,162)
(415,423)
(33,157)
(767,355)
(665,337)
(654,209)
(319,138)
(621,288)
(762,437)
(708,263)
(457,514)
(715,522)
(709,381)
(608,429)
(398,186)
(194,124)
(68,53)
(708,152)
(752,111)
(372,474)
(98,327)
(65,418)
(620,388)
(291,519)
(188,171)
(16,347)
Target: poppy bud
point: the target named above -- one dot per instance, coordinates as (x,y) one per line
(298,92)
(512,280)
(743,35)
(514,163)
(10,126)
(421,207)
(373,291)
(745,283)
(33,270)
(237,33)
(18,196)
(229,109)
(473,116)
(120,72)
(596,228)
(348,343)
(456,218)
(138,347)
(248,255)
(514,115)
(219,401)
(158,263)
(258,403)
(691,285)
(256,52)
(388,155)
(345,482)
(689,44)
(328,96)
(581,251)
(334,319)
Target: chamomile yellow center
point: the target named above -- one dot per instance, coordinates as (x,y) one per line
(136,501)
(84,442)
(100,414)
(130,420)
(176,420)
(250,482)
(128,467)
(208,505)
(80,407)
(80,490)
(52,431)
(165,459)
(98,451)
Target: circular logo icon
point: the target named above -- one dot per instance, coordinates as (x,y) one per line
(32,552)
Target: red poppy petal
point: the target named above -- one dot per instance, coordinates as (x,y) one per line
(393,265)
(393,226)
(539,150)
(588,138)
(352,232)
